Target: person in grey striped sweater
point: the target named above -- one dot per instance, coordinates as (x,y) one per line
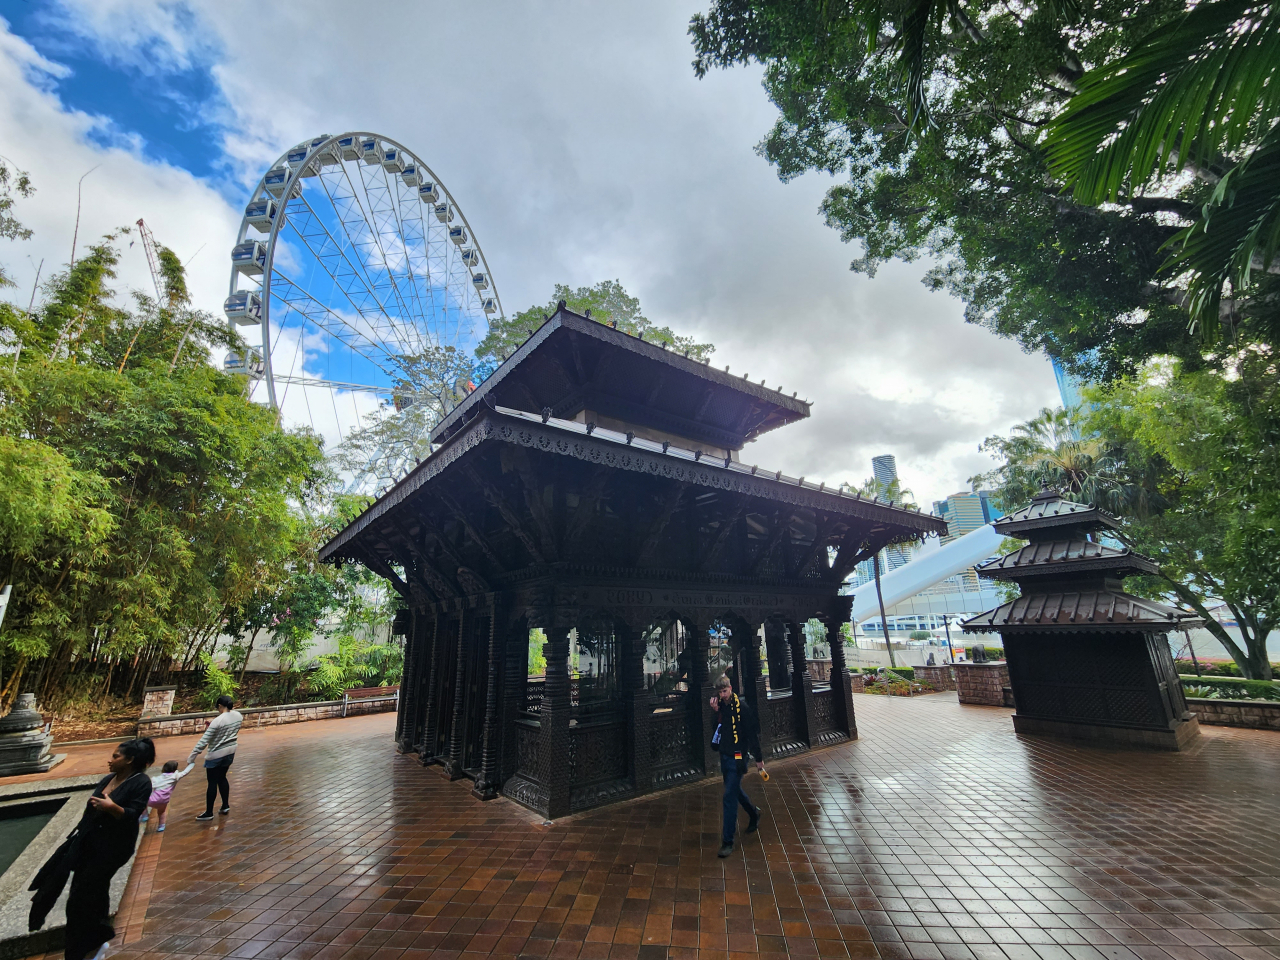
(220,738)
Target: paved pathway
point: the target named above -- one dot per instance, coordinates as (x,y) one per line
(938,835)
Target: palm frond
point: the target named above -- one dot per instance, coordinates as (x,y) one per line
(1238,233)
(1192,90)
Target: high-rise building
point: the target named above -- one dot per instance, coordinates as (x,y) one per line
(966,512)
(885,469)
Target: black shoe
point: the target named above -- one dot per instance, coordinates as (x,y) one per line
(205,816)
(224,811)
(754,824)
(725,849)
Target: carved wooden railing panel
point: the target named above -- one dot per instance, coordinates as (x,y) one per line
(675,750)
(598,763)
(533,696)
(524,786)
(781,739)
(825,728)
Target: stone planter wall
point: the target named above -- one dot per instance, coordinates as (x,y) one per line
(180,724)
(158,701)
(1255,714)
(982,683)
(858,682)
(942,677)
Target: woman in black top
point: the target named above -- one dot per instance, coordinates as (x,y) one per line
(101,844)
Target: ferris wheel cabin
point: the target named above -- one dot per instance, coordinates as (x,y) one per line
(490,306)
(444,212)
(370,152)
(458,235)
(410,176)
(249,258)
(471,258)
(244,308)
(261,214)
(393,161)
(479,281)
(349,148)
(250,366)
(428,193)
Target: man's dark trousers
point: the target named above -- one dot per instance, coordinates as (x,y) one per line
(733,795)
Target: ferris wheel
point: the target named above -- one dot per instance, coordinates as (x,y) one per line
(362,277)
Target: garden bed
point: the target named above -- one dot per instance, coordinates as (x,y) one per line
(117,717)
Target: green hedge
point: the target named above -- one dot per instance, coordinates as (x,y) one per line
(1230,688)
(1227,668)
(907,672)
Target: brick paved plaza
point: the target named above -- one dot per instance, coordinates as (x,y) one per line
(939,834)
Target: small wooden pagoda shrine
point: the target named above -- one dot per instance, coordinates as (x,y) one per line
(1086,660)
(587,504)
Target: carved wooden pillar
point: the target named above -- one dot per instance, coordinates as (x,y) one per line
(553,738)
(841,686)
(801,684)
(487,781)
(640,706)
(514,690)
(707,718)
(453,764)
(408,685)
(431,722)
(758,695)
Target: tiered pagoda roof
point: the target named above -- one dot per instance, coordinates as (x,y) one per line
(573,364)
(1070,580)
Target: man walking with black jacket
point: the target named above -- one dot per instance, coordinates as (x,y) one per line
(735,736)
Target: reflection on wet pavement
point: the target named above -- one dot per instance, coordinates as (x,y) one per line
(938,835)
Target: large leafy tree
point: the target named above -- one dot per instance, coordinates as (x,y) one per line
(1187,460)
(605,302)
(933,114)
(166,493)
(1197,96)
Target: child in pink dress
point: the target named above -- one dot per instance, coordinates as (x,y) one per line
(162,789)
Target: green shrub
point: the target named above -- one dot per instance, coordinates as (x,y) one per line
(217,682)
(908,673)
(1227,668)
(1230,688)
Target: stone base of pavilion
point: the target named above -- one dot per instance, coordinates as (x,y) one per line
(1176,738)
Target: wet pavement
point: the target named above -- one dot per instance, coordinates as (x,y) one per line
(938,835)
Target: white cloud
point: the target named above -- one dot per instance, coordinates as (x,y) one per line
(582,148)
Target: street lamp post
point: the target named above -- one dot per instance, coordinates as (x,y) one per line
(946,625)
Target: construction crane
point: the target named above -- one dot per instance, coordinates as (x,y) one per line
(153,257)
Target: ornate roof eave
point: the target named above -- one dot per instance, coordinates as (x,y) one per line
(1064,557)
(601,446)
(1048,509)
(1088,611)
(790,408)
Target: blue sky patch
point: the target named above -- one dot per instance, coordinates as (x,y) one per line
(166,109)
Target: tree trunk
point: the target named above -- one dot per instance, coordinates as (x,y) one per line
(248,653)
(1253,663)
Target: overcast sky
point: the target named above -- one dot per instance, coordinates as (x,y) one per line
(581,147)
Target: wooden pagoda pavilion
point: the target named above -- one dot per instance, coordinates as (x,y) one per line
(1087,661)
(587,504)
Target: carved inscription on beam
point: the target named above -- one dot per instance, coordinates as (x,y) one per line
(512,520)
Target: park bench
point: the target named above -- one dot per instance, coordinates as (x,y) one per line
(370,695)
